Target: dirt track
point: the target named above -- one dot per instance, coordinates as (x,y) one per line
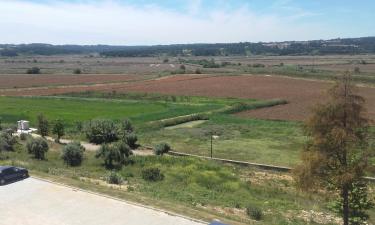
(301,94)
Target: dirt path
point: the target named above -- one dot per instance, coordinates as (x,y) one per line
(93,147)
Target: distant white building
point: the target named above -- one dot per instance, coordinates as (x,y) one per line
(23,125)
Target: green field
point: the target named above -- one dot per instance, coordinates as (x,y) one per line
(199,188)
(72,110)
(261,141)
(271,142)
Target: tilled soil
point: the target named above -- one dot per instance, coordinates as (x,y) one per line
(38,80)
(301,94)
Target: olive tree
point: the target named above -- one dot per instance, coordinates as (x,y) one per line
(58,129)
(114,154)
(43,125)
(101,131)
(73,154)
(38,147)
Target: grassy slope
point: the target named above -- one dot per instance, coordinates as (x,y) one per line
(272,142)
(260,141)
(190,185)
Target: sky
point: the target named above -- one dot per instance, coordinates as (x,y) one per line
(150,22)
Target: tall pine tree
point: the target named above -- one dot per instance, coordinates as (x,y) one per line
(336,154)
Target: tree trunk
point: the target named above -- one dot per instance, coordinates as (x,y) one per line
(345,204)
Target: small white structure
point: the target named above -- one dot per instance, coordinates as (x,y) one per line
(23,125)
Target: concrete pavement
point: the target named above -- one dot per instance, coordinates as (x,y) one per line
(36,202)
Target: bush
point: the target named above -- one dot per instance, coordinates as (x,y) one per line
(7,142)
(24,136)
(77,71)
(101,131)
(254,212)
(258,65)
(114,178)
(33,70)
(38,147)
(58,129)
(43,125)
(131,140)
(161,148)
(152,174)
(115,153)
(198,71)
(126,127)
(73,154)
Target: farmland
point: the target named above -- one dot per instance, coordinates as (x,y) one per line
(256,113)
(301,94)
(25,81)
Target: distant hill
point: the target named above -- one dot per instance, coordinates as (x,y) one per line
(363,45)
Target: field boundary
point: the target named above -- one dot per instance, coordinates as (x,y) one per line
(242,163)
(229,109)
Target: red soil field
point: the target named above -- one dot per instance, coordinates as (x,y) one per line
(38,80)
(301,94)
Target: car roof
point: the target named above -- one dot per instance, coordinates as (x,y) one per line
(5,167)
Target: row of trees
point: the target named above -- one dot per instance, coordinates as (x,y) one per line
(116,139)
(36,70)
(338,46)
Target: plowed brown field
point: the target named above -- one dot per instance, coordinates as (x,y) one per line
(301,94)
(23,80)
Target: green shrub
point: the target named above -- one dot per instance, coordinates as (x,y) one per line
(33,70)
(161,148)
(126,127)
(198,71)
(58,129)
(7,142)
(38,147)
(77,71)
(258,65)
(101,131)
(114,178)
(152,174)
(179,120)
(131,140)
(254,212)
(73,154)
(112,154)
(24,136)
(43,125)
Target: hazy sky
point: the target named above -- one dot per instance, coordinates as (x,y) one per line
(134,22)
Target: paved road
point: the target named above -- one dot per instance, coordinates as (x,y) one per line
(35,202)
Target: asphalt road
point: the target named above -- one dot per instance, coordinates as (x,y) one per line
(36,202)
